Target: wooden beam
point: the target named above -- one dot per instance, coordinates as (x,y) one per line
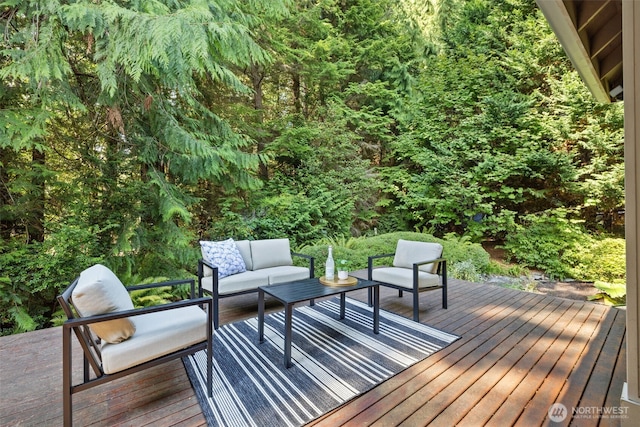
(611,62)
(559,18)
(630,398)
(589,11)
(605,36)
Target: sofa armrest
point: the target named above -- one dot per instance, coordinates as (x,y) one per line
(311,263)
(201,264)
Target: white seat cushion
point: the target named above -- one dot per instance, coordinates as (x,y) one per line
(286,274)
(270,253)
(409,252)
(99,291)
(237,283)
(156,334)
(404,277)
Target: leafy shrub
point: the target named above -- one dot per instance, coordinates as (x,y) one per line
(464,270)
(461,249)
(500,269)
(33,275)
(562,248)
(602,259)
(541,241)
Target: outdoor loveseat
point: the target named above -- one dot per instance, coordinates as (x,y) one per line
(118,339)
(230,268)
(417,267)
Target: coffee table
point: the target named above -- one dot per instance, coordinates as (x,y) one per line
(291,293)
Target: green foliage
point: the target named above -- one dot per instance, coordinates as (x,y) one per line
(541,241)
(151,296)
(462,249)
(13,313)
(614,294)
(598,260)
(319,185)
(464,270)
(502,126)
(133,136)
(343,265)
(130,130)
(511,270)
(35,273)
(561,247)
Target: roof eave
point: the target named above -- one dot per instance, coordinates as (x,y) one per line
(558,17)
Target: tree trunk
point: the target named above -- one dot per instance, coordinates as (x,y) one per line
(297,101)
(256,80)
(35,225)
(7,223)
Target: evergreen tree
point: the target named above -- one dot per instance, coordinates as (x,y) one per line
(489,138)
(103,112)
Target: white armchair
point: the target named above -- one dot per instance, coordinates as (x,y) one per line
(118,339)
(417,267)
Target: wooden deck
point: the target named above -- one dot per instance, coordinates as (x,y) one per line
(519,354)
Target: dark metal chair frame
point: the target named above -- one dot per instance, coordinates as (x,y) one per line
(91,344)
(216,296)
(415,289)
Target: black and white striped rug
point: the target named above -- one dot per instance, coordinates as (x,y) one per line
(333,362)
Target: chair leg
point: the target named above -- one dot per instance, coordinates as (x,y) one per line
(444,285)
(369,297)
(216,312)
(66,378)
(444,296)
(210,355)
(400,293)
(416,306)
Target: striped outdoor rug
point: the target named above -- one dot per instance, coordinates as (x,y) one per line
(334,361)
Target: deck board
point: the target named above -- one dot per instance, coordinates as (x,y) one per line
(519,353)
(508,373)
(435,374)
(452,384)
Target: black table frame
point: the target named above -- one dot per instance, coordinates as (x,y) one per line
(308,290)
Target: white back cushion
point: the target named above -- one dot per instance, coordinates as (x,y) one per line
(409,252)
(245,250)
(270,253)
(99,291)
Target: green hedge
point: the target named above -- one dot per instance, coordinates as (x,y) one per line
(598,260)
(562,248)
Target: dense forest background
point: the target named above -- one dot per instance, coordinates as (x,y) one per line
(129,130)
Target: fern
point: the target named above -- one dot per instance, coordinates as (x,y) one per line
(23,322)
(151,296)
